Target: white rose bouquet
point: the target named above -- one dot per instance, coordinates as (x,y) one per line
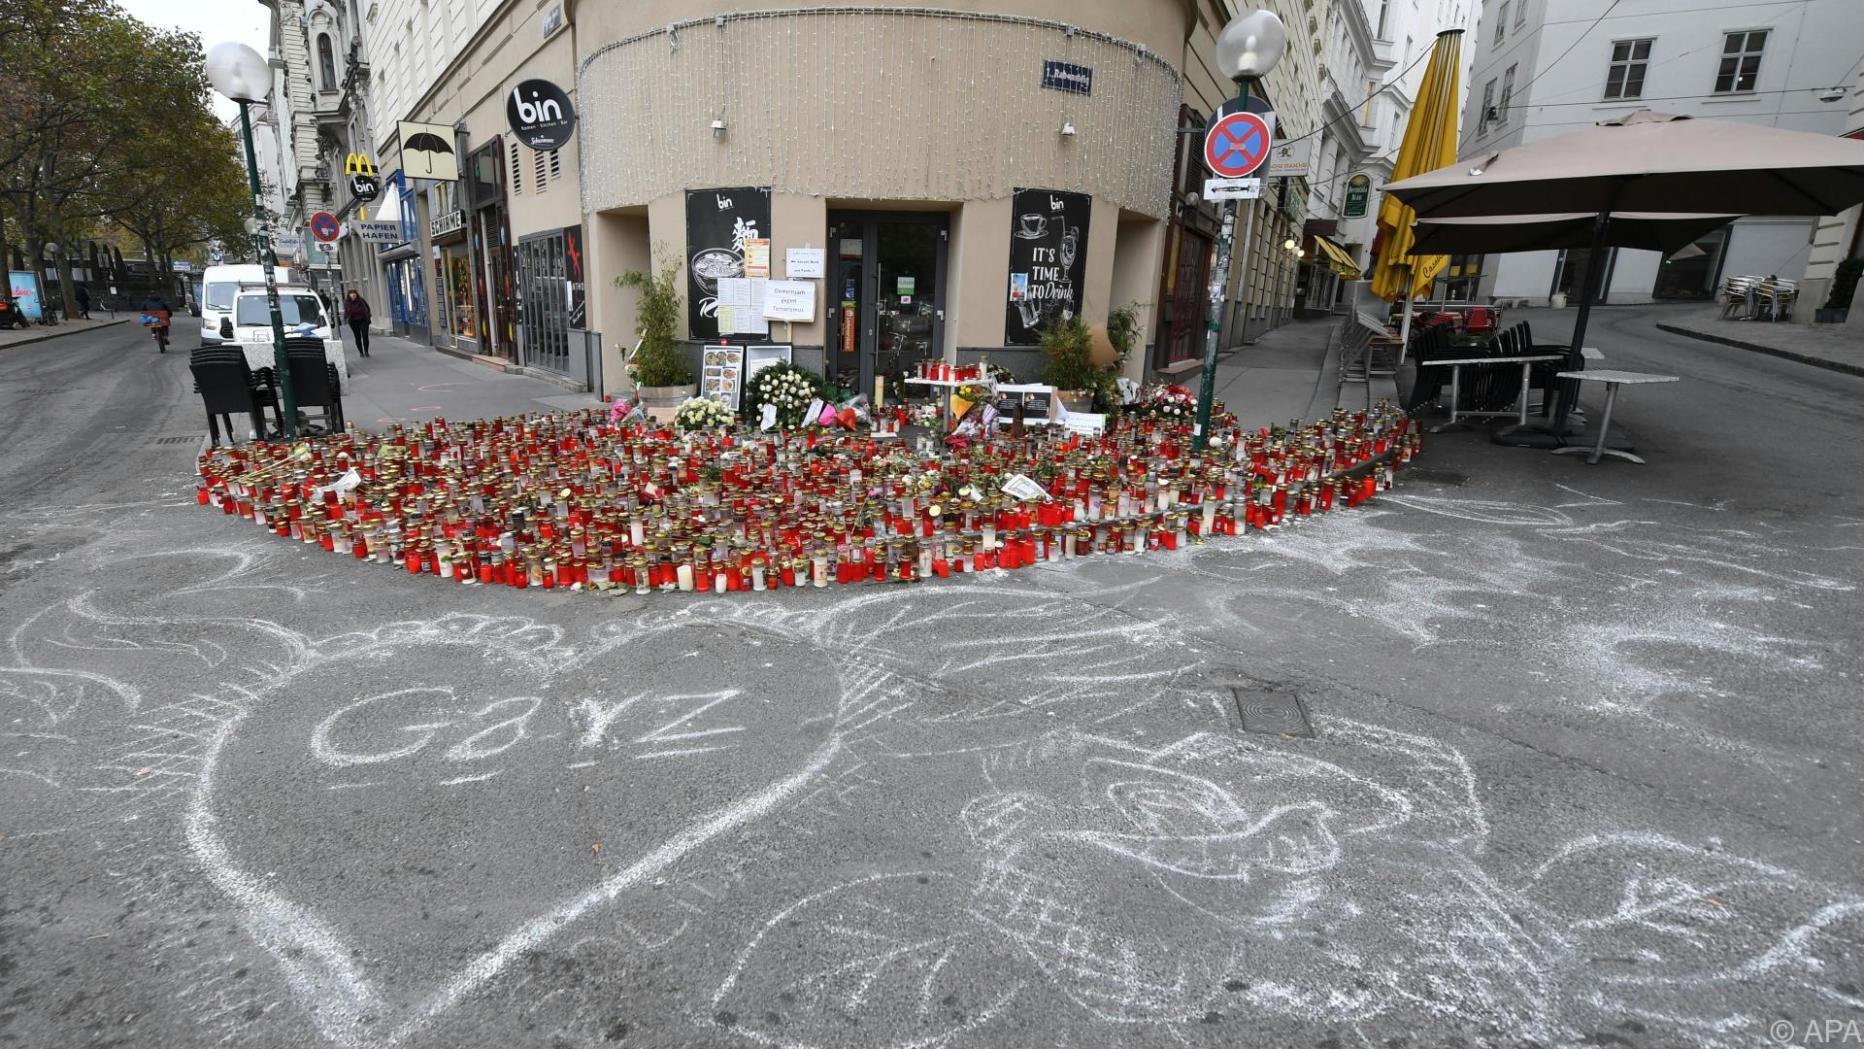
(702,413)
(787,387)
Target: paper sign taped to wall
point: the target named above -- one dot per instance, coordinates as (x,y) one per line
(790,300)
(803,263)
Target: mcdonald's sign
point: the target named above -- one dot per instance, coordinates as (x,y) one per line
(364,186)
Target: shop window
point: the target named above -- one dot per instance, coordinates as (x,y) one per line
(1740,68)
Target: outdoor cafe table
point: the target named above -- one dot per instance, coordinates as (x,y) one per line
(1612,380)
(1520,413)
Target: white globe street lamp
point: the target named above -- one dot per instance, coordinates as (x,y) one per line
(1251,45)
(242,75)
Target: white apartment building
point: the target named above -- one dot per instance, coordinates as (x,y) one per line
(1547,67)
(303,185)
(411,44)
(1376,53)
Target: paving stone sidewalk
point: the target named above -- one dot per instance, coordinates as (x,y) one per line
(1834,346)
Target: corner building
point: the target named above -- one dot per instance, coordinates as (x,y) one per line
(966,172)
(931,153)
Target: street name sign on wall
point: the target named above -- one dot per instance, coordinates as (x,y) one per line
(1066,76)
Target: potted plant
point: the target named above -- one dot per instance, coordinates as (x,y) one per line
(1122,332)
(1068,364)
(1844,286)
(662,380)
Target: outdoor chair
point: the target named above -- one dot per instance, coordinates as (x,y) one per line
(226,389)
(314,382)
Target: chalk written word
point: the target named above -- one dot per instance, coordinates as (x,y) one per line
(430,721)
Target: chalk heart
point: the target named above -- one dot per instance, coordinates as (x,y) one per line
(418,807)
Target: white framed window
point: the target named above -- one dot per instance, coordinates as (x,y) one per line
(1488,107)
(1624,77)
(1385,10)
(1740,68)
(1501,22)
(1501,111)
(1520,12)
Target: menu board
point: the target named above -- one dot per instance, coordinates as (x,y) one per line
(1037,401)
(721,374)
(719,225)
(1048,261)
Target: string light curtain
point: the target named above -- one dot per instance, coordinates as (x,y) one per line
(875,103)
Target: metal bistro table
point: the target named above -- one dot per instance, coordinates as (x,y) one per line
(1456,367)
(1612,380)
(944,399)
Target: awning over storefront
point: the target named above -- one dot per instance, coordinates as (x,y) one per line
(1338,259)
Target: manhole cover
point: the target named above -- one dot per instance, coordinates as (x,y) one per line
(1263,710)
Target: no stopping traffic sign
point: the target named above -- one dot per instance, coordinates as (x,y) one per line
(1236,145)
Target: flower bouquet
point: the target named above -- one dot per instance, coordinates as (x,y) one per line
(1168,403)
(702,413)
(787,387)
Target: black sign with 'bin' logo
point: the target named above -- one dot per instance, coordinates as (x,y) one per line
(540,114)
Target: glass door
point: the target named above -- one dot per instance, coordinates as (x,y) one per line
(889,276)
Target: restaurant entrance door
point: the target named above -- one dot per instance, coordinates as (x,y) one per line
(886,302)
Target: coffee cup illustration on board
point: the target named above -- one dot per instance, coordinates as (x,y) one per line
(1032,226)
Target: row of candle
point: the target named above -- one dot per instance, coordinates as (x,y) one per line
(571,500)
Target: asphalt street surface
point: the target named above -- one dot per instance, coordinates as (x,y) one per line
(1584,765)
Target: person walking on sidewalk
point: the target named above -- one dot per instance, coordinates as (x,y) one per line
(84,302)
(356,312)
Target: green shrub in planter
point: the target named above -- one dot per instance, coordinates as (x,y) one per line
(657,320)
(1067,359)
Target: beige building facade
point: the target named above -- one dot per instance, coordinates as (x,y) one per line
(948,179)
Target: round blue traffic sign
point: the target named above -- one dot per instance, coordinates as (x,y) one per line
(324,227)
(1236,145)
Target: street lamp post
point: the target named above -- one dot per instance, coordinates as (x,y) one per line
(241,74)
(1247,48)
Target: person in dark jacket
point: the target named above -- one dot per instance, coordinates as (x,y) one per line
(84,302)
(356,314)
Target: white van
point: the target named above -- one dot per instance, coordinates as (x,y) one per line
(218,287)
(305,313)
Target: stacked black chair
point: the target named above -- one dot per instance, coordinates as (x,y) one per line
(314,381)
(226,386)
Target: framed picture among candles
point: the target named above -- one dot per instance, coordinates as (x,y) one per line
(722,374)
(757,358)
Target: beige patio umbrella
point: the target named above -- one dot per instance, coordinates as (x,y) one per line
(1501,234)
(1647,162)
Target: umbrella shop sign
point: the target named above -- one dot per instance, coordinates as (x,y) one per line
(1048,261)
(427,151)
(1358,192)
(719,222)
(540,114)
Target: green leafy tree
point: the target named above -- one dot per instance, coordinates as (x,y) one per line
(99,107)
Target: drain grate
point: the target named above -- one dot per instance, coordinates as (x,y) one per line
(185,438)
(1265,710)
